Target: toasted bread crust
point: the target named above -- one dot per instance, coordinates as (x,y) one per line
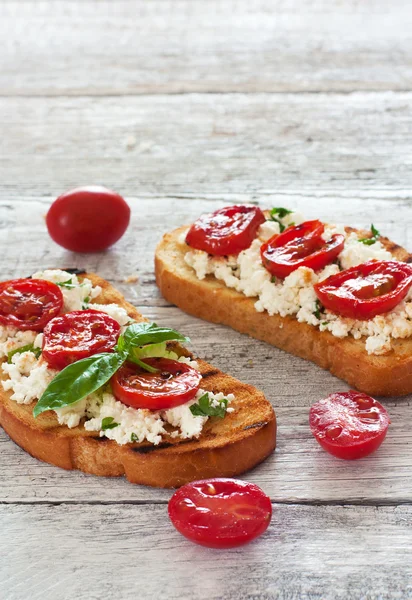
(227,447)
(346,358)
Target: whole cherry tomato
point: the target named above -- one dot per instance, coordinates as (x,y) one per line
(220,513)
(226,231)
(78,334)
(349,424)
(88,219)
(370,289)
(300,246)
(29,303)
(172,384)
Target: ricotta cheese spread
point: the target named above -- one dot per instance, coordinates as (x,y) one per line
(28,377)
(295,295)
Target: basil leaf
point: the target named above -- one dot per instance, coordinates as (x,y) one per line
(140,334)
(204,407)
(78,380)
(142,364)
(27,348)
(108,423)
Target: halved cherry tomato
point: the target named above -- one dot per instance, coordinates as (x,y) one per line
(88,219)
(220,513)
(29,303)
(300,246)
(370,289)
(77,335)
(226,231)
(175,383)
(349,424)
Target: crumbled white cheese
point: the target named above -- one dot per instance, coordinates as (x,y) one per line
(11,339)
(268,230)
(75,298)
(28,377)
(115,311)
(356,253)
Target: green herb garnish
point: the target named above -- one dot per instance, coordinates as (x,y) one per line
(273,279)
(27,348)
(108,423)
(85,376)
(319,309)
(277,214)
(134,438)
(66,284)
(373,239)
(204,407)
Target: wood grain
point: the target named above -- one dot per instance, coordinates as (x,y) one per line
(90,47)
(94,552)
(207,143)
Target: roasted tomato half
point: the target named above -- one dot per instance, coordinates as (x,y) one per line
(172,384)
(78,334)
(300,246)
(226,231)
(29,303)
(370,289)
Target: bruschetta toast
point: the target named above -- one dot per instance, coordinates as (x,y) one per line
(226,446)
(236,288)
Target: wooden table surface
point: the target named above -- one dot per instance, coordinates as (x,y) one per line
(182,106)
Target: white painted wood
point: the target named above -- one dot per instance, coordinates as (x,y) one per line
(299,471)
(94,552)
(208,143)
(120,48)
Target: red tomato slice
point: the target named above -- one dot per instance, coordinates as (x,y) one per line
(174,384)
(300,246)
(220,513)
(88,219)
(29,303)
(78,334)
(370,289)
(349,425)
(226,231)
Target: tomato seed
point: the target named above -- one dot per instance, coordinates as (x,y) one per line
(334,431)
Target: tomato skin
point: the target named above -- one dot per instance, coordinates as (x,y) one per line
(175,384)
(370,289)
(29,303)
(220,513)
(88,219)
(78,334)
(226,231)
(349,425)
(300,246)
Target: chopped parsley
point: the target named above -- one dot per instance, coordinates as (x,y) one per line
(279,213)
(66,284)
(108,423)
(319,309)
(373,239)
(205,408)
(134,438)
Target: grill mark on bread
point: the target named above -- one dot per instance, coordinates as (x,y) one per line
(210,373)
(75,271)
(255,425)
(161,446)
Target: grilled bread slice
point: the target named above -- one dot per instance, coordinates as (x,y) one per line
(226,447)
(210,299)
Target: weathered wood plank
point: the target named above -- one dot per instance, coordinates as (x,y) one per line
(199,144)
(308,553)
(104,48)
(299,471)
